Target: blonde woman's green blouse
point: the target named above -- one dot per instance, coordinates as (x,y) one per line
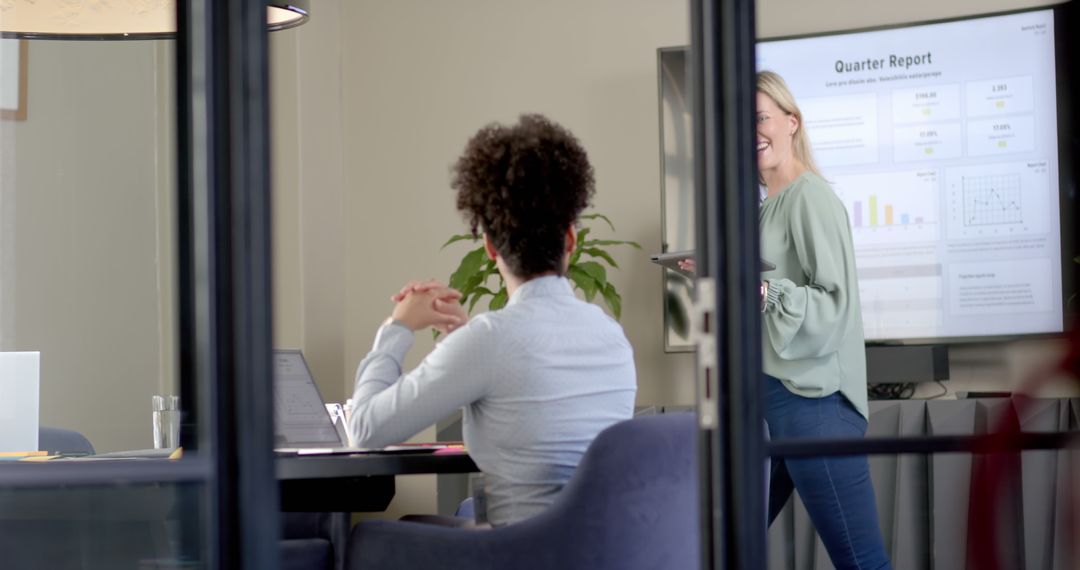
(812,320)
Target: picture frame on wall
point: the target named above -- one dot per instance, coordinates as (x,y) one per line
(13,64)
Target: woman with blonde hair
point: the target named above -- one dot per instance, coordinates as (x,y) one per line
(814,350)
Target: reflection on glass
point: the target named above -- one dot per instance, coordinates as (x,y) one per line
(86,249)
(87,284)
(138,527)
(677,189)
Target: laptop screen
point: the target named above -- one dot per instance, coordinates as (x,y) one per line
(19,395)
(301,419)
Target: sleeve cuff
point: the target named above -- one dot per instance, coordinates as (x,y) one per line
(395,339)
(772,297)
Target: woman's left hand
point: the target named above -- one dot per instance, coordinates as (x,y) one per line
(451,307)
(448,304)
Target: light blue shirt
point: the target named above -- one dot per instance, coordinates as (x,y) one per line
(537,381)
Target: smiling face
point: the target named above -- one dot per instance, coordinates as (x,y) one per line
(775,130)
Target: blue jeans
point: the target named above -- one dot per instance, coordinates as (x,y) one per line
(836,490)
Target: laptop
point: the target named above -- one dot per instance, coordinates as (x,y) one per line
(20,373)
(302,424)
(671,261)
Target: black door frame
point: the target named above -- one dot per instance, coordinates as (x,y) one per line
(225,298)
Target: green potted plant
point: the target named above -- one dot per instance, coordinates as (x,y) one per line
(587,270)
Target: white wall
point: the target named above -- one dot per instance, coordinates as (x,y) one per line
(795,17)
(396,90)
(309,224)
(419,78)
(409,93)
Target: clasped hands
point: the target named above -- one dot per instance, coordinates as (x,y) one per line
(422,304)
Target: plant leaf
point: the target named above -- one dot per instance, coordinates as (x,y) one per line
(581,235)
(458,237)
(593,242)
(596,271)
(477,294)
(676,314)
(469,267)
(595,216)
(613,300)
(574,257)
(489,270)
(597,252)
(474,281)
(498,301)
(583,280)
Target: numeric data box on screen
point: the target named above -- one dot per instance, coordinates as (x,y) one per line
(999,96)
(1006,135)
(927,142)
(927,103)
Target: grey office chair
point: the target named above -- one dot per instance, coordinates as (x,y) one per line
(632,504)
(60,440)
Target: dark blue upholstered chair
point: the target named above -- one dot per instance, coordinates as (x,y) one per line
(313,541)
(632,504)
(60,440)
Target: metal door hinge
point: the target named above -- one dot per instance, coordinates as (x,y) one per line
(703,335)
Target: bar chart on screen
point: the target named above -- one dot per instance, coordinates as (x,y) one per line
(889,208)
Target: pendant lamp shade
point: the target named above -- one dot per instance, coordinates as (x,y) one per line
(116,19)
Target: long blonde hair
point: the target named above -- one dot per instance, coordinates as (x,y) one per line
(771,84)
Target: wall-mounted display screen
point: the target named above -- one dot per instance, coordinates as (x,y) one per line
(942,142)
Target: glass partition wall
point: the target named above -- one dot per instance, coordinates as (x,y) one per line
(88,298)
(132,185)
(87,192)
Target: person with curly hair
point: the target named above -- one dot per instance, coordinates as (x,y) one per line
(538,379)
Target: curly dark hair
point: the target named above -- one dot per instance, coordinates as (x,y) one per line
(524,185)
